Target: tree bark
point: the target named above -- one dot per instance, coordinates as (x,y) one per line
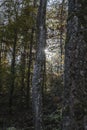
(75,88)
(38,68)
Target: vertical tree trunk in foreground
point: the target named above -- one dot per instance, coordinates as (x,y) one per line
(75,89)
(38,68)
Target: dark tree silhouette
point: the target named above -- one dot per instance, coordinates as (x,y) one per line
(75,88)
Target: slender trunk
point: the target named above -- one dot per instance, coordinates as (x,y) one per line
(61,32)
(30,61)
(75,89)
(12,72)
(23,63)
(29,69)
(38,68)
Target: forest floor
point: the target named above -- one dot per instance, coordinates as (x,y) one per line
(21,117)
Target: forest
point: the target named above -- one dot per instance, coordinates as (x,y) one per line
(43,64)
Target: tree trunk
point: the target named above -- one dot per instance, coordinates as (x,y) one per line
(61,33)
(12,72)
(30,60)
(38,68)
(75,88)
(23,64)
(29,69)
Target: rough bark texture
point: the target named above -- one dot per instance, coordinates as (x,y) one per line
(38,68)
(75,89)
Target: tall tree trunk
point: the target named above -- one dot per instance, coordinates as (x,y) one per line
(61,32)
(12,72)
(75,89)
(29,69)
(30,60)
(38,68)
(23,63)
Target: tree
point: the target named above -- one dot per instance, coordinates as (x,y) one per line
(75,88)
(30,57)
(39,65)
(23,66)
(13,61)
(29,69)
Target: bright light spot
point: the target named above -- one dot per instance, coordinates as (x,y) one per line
(46,51)
(49,54)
